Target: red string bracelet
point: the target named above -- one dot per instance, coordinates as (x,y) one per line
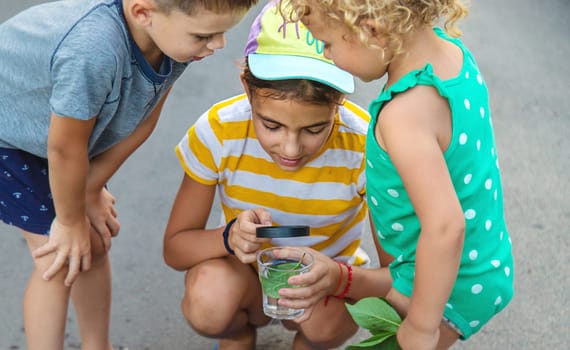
(337,284)
(348,283)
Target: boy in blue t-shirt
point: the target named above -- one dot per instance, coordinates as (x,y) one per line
(83,84)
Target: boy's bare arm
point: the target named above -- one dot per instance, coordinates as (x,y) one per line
(68,169)
(68,165)
(100,203)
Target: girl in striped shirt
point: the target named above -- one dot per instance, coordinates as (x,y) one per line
(290,151)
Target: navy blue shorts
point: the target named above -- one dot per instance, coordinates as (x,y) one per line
(25,196)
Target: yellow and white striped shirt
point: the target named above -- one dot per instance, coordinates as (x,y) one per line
(327,194)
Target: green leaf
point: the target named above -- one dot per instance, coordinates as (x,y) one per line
(278,277)
(374,342)
(391,344)
(376,315)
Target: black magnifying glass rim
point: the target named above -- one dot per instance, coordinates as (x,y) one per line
(282,231)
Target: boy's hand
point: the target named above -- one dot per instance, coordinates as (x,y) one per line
(103,215)
(71,245)
(242,237)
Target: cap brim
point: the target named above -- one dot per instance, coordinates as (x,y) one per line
(281,67)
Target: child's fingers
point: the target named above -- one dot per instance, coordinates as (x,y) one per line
(263,216)
(246,256)
(113,225)
(103,231)
(245,229)
(45,249)
(299,299)
(77,264)
(73,271)
(287,252)
(85,263)
(305,279)
(293,253)
(305,316)
(56,265)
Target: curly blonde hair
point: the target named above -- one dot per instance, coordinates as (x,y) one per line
(396,17)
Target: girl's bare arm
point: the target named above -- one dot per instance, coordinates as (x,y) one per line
(415,129)
(187,242)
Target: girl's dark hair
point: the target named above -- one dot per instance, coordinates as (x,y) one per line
(304,90)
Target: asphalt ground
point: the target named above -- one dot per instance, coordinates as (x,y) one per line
(522,48)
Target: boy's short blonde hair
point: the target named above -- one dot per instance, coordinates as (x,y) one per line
(396,17)
(216,6)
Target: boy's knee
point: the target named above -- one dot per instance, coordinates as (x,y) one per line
(98,251)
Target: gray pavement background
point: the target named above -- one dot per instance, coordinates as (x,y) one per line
(522,47)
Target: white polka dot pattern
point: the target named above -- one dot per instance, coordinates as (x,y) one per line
(380,235)
(476,289)
(374,200)
(473,167)
(392,192)
(397,227)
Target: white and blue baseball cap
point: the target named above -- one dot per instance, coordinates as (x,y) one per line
(278,49)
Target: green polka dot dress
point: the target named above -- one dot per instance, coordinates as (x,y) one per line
(484,283)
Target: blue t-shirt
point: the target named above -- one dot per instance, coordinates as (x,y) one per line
(75,58)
